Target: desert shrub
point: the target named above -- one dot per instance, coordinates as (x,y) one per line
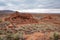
(0,20)
(18,36)
(2,32)
(1,38)
(9,37)
(55,36)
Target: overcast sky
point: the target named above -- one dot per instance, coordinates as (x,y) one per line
(29,4)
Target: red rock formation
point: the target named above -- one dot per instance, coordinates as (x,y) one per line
(51,19)
(47,18)
(21,18)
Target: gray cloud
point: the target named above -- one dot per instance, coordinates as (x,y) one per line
(29,4)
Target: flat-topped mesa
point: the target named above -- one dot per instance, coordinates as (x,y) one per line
(21,18)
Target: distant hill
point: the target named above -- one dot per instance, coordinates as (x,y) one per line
(6,11)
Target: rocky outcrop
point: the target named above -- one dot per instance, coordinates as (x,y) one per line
(21,18)
(51,19)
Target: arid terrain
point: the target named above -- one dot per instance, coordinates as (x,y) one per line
(29,26)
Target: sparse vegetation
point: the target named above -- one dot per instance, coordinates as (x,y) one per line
(55,36)
(0,20)
(19,32)
(11,35)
